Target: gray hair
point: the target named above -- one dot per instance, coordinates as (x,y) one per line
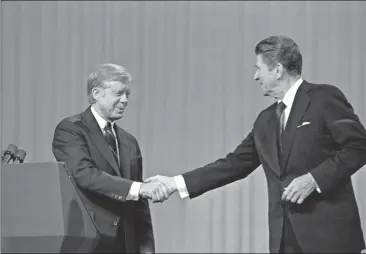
(281,49)
(103,74)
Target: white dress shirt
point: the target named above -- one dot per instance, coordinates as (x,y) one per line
(133,194)
(288,100)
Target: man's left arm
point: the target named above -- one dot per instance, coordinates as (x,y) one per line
(144,234)
(350,137)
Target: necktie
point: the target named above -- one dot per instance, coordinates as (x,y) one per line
(111,140)
(281,123)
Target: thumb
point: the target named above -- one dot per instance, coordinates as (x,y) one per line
(150,179)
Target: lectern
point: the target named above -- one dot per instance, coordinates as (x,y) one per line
(42,212)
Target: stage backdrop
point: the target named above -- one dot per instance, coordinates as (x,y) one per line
(193,94)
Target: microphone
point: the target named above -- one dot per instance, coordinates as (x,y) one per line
(9,153)
(19,157)
(2,154)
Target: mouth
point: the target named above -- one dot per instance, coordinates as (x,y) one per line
(120,109)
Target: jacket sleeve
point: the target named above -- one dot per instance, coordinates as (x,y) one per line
(69,146)
(235,166)
(349,137)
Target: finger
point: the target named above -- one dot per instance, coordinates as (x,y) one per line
(288,189)
(150,179)
(291,194)
(300,200)
(286,192)
(157,199)
(146,195)
(164,191)
(154,197)
(295,197)
(158,195)
(303,197)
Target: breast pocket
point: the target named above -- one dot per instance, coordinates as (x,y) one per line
(306,134)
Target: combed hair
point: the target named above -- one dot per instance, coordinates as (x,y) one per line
(281,49)
(105,73)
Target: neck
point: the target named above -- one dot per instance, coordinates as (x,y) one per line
(285,85)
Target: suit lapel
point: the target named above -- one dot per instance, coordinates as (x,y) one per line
(124,152)
(272,128)
(266,139)
(98,138)
(299,106)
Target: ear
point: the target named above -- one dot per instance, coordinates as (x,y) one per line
(279,70)
(97,93)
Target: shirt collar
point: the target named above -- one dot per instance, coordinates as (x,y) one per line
(101,121)
(289,97)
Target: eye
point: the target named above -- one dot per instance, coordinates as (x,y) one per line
(121,93)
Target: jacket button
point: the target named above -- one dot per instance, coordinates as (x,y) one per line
(119,197)
(115,223)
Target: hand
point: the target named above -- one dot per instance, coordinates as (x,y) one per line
(154,190)
(299,189)
(167,186)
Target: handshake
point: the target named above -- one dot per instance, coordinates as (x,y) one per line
(158,188)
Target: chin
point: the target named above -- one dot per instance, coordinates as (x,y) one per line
(116,117)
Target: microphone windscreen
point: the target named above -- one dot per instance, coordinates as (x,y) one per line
(12,149)
(21,154)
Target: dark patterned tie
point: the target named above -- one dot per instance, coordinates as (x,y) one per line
(111,140)
(281,123)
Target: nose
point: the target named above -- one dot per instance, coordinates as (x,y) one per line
(256,76)
(124,99)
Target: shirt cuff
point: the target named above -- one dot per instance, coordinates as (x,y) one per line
(134,192)
(317,187)
(181,186)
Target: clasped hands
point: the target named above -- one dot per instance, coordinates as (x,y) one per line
(158,188)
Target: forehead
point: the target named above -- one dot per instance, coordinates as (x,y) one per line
(118,86)
(259,60)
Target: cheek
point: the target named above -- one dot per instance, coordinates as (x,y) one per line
(262,78)
(116,102)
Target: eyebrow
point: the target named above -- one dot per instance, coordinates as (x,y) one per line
(125,90)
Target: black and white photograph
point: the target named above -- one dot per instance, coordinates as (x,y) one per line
(183,126)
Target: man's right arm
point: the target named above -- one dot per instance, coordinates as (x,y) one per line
(70,147)
(235,166)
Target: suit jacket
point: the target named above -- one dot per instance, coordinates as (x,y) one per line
(332,147)
(104,185)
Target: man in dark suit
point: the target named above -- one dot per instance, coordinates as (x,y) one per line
(106,164)
(309,143)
